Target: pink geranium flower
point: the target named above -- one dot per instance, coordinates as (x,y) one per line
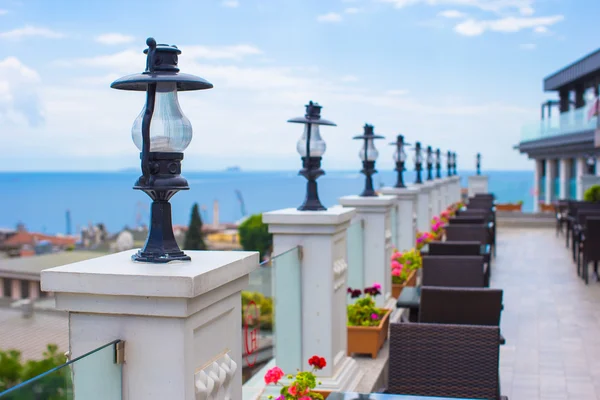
(396,272)
(273,375)
(396,255)
(377,286)
(396,265)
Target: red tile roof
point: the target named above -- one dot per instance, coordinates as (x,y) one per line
(28,238)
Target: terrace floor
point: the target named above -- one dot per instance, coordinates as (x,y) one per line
(551,319)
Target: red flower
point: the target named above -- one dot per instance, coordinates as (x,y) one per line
(317,362)
(273,375)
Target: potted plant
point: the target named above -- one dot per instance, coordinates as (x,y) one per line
(424,238)
(510,206)
(303,385)
(404,270)
(437,228)
(367,324)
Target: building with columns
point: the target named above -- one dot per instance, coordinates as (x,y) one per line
(563,143)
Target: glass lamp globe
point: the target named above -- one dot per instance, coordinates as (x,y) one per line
(429,158)
(317,144)
(418,158)
(368,151)
(400,157)
(170,130)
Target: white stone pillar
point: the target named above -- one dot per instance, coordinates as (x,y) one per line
(443,187)
(563,173)
(34,290)
(435,197)
(319,323)
(177,320)
(406,207)
(1,288)
(581,170)
(423,207)
(15,289)
(478,184)
(377,251)
(537,176)
(549,181)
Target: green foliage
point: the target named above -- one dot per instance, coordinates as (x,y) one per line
(194,238)
(592,194)
(304,381)
(363,311)
(265,306)
(519,203)
(255,236)
(13,371)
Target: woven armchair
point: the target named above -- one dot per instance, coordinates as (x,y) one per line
(467,219)
(578,229)
(589,246)
(454,271)
(455,248)
(444,360)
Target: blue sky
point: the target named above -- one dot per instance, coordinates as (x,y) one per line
(456,74)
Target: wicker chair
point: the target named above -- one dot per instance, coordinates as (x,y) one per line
(488,215)
(455,248)
(572,207)
(560,209)
(475,232)
(465,248)
(454,271)
(444,360)
(461,306)
(590,246)
(577,229)
(467,219)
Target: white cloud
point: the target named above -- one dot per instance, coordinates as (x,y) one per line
(474,27)
(329,17)
(451,14)
(28,31)
(524,7)
(352,10)
(3,12)
(235,52)
(19,94)
(230,3)
(397,92)
(349,78)
(527,46)
(540,29)
(114,38)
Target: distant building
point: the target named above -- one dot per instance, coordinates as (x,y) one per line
(24,243)
(20,277)
(564,142)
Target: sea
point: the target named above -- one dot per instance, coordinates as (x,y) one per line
(41,201)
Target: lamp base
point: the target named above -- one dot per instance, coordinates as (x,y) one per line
(311,171)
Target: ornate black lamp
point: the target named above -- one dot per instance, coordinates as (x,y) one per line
(438,164)
(368,155)
(311,148)
(449,162)
(400,159)
(478,163)
(418,163)
(429,163)
(162,133)
(591,165)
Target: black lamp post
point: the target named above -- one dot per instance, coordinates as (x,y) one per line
(418,163)
(449,162)
(591,164)
(429,163)
(438,164)
(478,163)
(400,159)
(162,133)
(368,155)
(311,148)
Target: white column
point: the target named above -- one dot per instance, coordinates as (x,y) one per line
(1,288)
(435,197)
(563,173)
(581,170)
(423,207)
(15,289)
(549,180)
(537,176)
(320,286)
(406,207)
(375,212)
(179,321)
(478,184)
(34,290)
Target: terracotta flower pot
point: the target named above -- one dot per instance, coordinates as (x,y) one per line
(368,339)
(509,207)
(410,281)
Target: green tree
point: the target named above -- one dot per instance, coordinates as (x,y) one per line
(194,238)
(592,194)
(255,236)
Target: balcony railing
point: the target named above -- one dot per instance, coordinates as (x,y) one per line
(570,122)
(94,375)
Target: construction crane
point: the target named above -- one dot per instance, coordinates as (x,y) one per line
(242,204)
